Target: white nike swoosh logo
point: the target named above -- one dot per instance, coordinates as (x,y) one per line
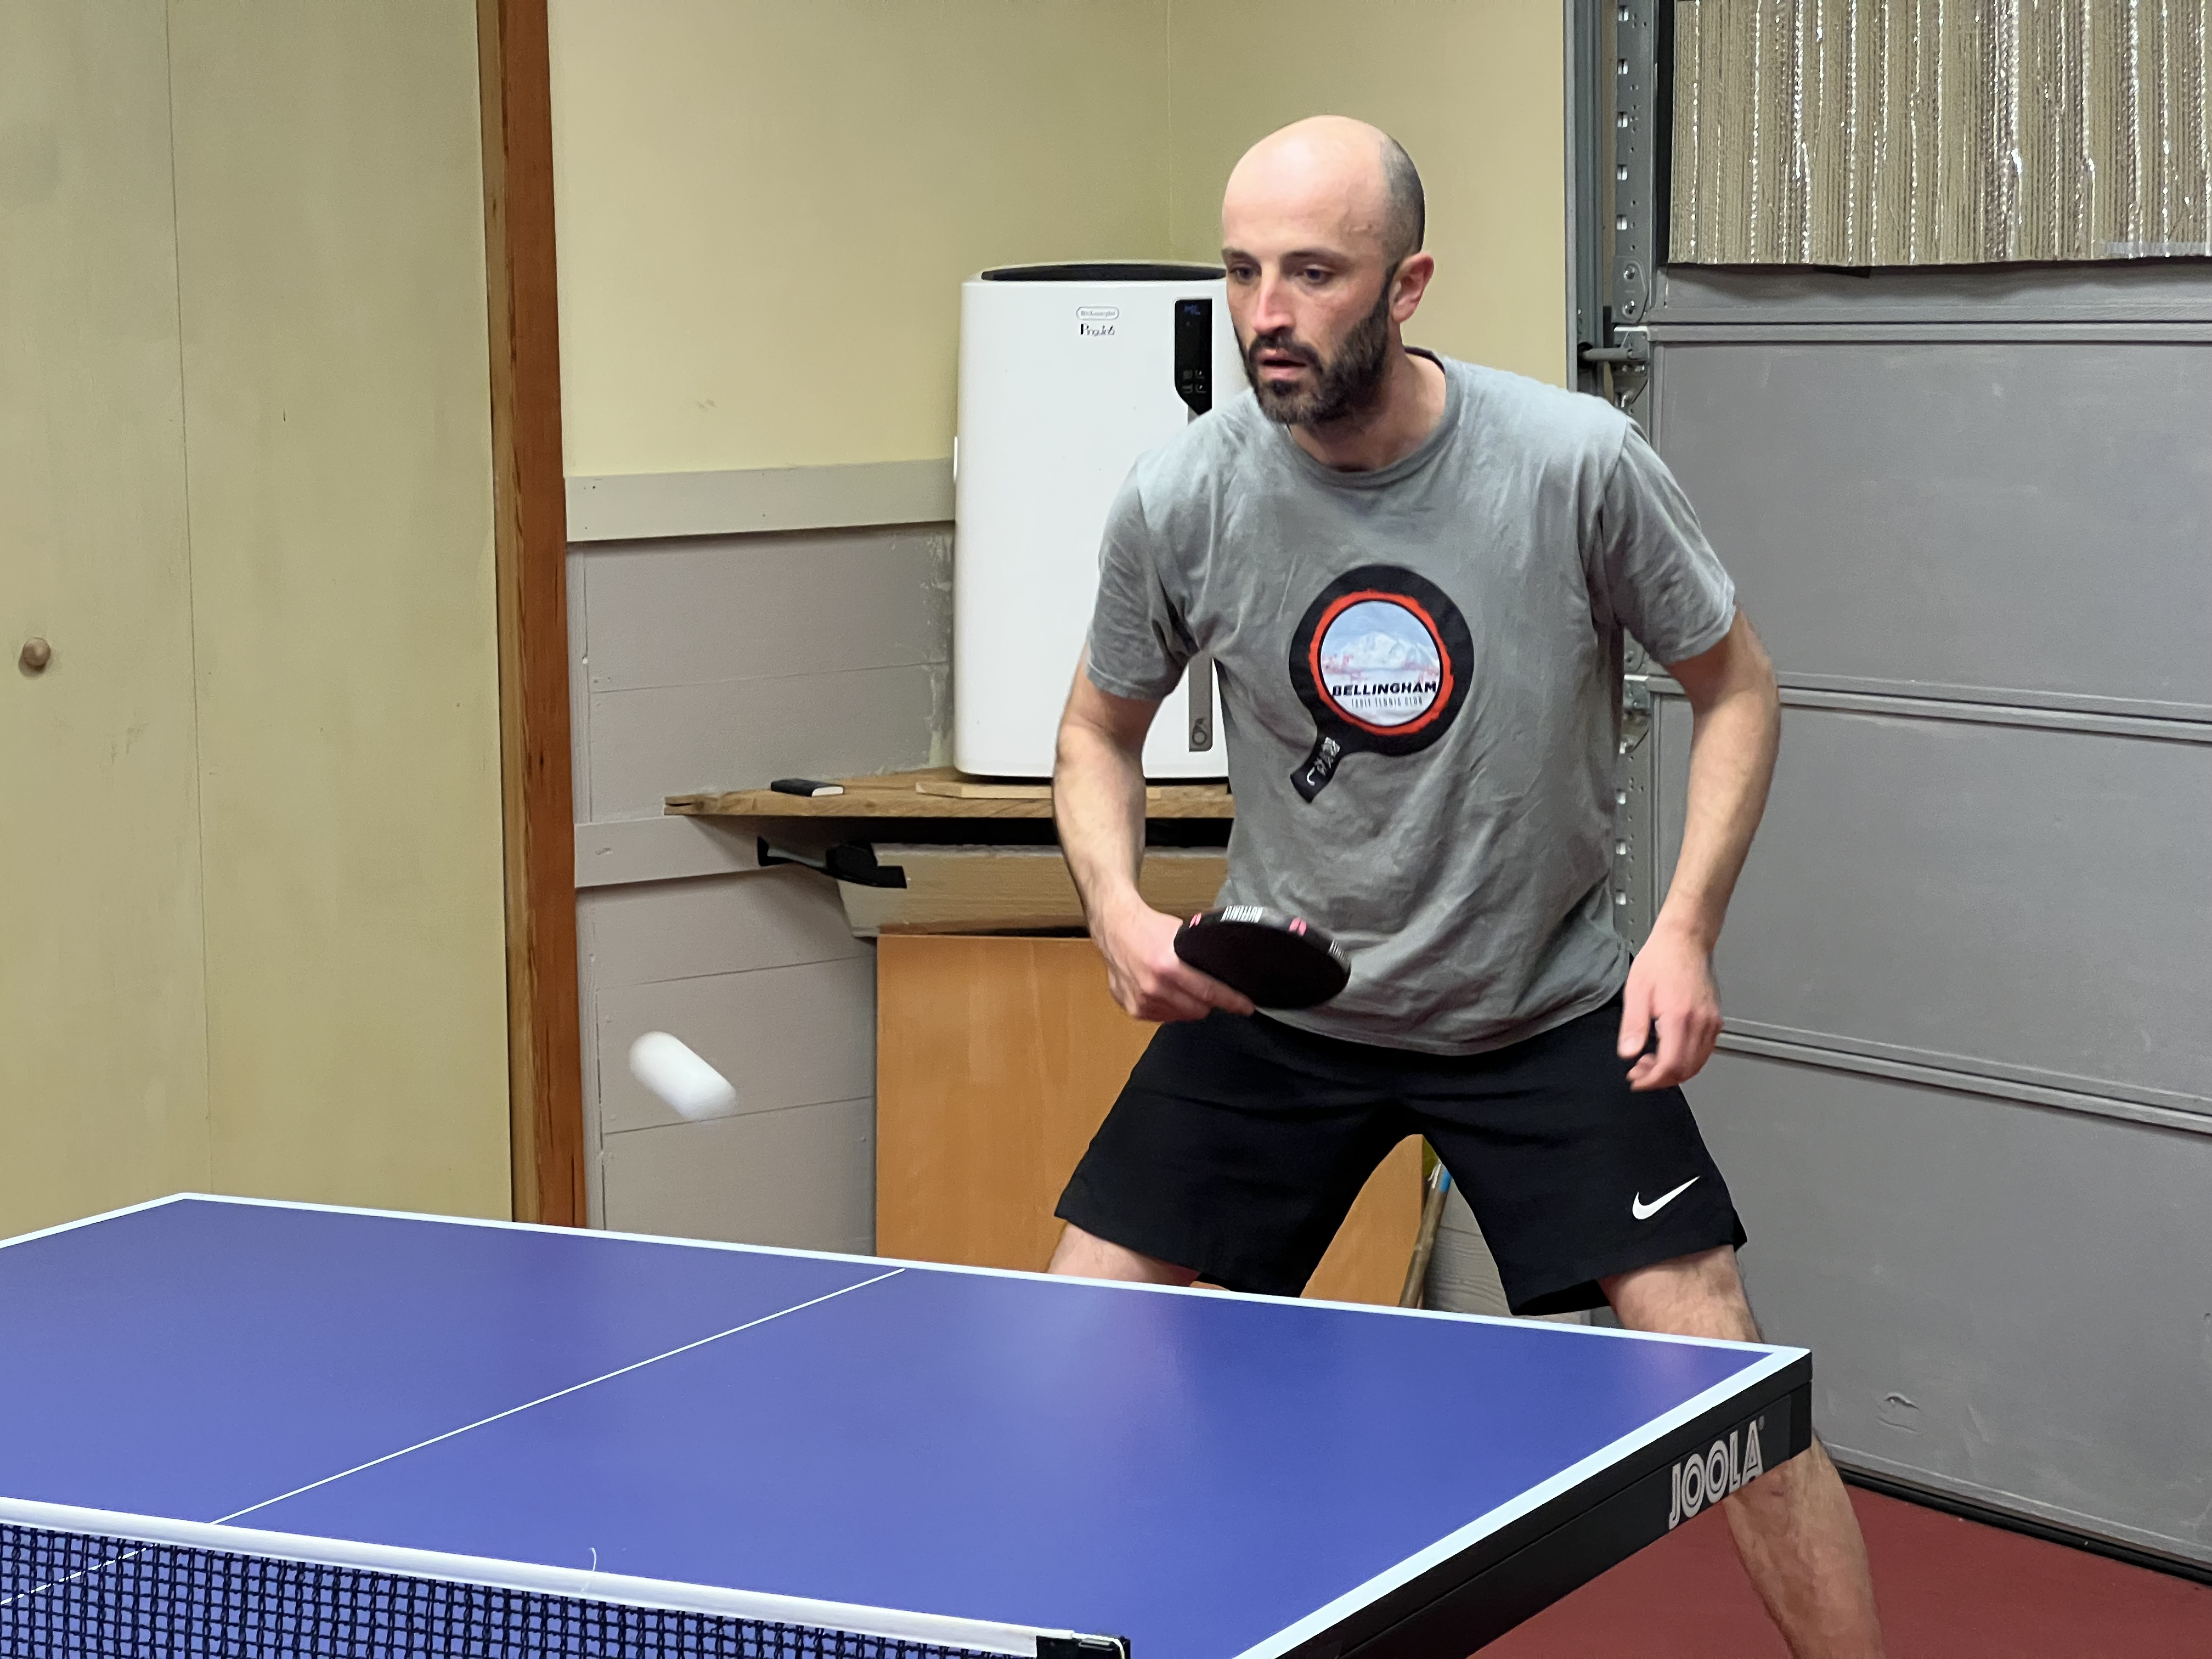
(1643,1212)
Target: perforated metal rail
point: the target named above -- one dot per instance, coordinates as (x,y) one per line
(78,1594)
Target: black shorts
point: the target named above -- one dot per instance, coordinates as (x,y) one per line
(1239,1143)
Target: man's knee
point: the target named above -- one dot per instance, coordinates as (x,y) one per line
(1085,1255)
(1699,1294)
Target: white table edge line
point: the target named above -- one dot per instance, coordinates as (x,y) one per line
(944,1630)
(94,1220)
(1361,1596)
(560,1393)
(950,1267)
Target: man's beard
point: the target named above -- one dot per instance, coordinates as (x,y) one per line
(1347,385)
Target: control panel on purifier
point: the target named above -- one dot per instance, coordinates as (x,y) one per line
(1194,354)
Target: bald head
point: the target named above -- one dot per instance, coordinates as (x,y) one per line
(1320,233)
(1332,170)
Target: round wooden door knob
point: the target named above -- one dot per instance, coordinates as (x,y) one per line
(36,654)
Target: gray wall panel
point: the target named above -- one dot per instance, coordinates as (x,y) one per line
(2002,537)
(761,974)
(2025,901)
(722,661)
(2010,1301)
(618,851)
(737,734)
(803,1178)
(1988,495)
(716,663)
(2155,289)
(663,930)
(784,1036)
(580,695)
(748,607)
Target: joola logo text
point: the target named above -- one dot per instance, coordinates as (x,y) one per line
(1724,1466)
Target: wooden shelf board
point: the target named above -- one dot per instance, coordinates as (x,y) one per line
(937,792)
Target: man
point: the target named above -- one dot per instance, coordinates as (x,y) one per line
(1414,576)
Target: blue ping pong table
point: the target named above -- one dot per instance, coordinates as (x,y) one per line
(243,1428)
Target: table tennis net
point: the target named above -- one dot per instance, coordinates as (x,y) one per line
(75,1593)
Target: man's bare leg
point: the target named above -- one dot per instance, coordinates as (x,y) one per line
(1087,1256)
(1793,1526)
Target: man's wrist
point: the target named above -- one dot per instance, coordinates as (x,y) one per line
(1107,908)
(1685,929)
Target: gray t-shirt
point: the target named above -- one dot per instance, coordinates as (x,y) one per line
(1420,680)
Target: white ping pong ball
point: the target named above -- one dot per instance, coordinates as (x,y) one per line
(687,1085)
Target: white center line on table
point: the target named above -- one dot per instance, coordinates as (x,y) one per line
(557,1393)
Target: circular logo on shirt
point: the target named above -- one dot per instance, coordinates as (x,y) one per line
(1380,660)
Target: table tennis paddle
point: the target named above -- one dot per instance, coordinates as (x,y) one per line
(1279,960)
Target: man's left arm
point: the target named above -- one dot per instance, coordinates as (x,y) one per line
(1738,727)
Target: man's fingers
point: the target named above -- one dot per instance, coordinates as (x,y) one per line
(1704,1033)
(1176,1005)
(1673,1048)
(1210,990)
(1163,1004)
(1635,1018)
(1230,1000)
(1684,1044)
(1180,992)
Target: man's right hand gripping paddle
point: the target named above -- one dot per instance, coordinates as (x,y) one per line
(1146,976)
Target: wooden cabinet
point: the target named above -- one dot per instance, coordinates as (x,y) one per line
(997,1057)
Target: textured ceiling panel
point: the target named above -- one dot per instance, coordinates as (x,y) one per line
(1903,133)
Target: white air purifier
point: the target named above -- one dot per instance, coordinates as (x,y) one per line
(1068,374)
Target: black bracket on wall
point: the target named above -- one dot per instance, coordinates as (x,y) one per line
(853,861)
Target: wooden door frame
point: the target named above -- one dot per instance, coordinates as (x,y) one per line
(545,1083)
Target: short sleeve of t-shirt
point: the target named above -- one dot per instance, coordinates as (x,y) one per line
(1139,643)
(1652,570)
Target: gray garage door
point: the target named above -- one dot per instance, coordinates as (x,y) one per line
(1966,1095)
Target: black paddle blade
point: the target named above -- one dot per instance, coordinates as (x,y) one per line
(1279,960)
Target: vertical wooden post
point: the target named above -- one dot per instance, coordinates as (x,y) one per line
(545,1056)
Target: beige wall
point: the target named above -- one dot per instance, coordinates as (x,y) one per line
(331,261)
(1475,90)
(103,1060)
(250,861)
(766,206)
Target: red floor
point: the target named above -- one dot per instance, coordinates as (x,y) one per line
(1948,1589)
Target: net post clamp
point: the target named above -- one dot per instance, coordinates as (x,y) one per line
(1083,1647)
